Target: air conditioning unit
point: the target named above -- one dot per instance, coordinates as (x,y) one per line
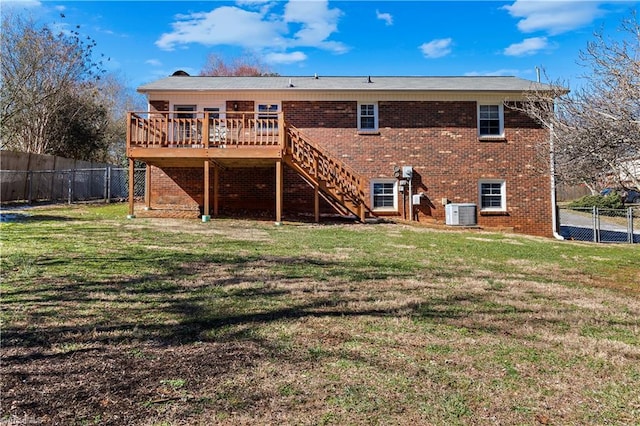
(460,214)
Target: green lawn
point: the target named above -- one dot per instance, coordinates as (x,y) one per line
(161,321)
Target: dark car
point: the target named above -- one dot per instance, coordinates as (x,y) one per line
(628,196)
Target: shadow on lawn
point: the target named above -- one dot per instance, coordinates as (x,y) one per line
(122,339)
(181,306)
(197,296)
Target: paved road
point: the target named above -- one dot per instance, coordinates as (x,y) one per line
(578,226)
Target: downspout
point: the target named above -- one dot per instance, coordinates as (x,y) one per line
(552,169)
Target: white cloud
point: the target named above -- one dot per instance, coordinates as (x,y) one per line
(386,17)
(20,4)
(153,62)
(436,48)
(553,17)
(528,46)
(285,58)
(317,23)
(224,25)
(301,24)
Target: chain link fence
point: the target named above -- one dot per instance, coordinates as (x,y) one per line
(600,225)
(108,184)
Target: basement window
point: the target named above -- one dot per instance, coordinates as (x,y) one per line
(493,195)
(384,195)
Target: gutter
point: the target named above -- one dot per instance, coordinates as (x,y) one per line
(552,169)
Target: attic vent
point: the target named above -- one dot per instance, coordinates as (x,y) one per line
(291,83)
(316,76)
(369,80)
(180,73)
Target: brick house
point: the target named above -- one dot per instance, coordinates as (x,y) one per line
(444,150)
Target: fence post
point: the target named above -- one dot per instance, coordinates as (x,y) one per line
(630,225)
(70,191)
(29,186)
(107,184)
(596,225)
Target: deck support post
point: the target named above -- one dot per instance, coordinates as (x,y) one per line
(279,191)
(131,188)
(216,189)
(205,213)
(147,187)
(316,203)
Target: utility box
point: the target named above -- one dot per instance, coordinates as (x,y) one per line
(460,214)
(407,172)
(416,199)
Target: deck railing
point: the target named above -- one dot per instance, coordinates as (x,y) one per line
(171,129)
(334,175)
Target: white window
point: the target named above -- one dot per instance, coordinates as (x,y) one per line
(267,116)
(184,111)
(493,195)
(217,125)
(184,123)
(384,194)
(214,112)
(490,120)
(367,116)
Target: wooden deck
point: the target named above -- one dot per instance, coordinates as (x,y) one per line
(216,141)
(168,139)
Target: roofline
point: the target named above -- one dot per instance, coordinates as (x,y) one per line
(292,87)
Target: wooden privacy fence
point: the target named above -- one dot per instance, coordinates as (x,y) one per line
(105,183)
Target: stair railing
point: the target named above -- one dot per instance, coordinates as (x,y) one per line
(331,174)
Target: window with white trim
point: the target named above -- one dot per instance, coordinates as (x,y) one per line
(217,126)
(214,112)
(267,116)
(384,194)
(490,120)
(493,195)
(367,116)
(184,124)
(184,111)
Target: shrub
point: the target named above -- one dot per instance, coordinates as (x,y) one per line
(611,201)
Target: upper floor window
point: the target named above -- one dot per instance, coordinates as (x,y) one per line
(367,116)
(493,196)
(184,111)
(267,116)
(214,112)
(490,120)
(184,125)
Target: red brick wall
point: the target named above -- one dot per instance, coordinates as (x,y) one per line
(321,114)
(241,106)
(242,190)
(439,139)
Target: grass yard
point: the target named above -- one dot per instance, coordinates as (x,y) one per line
(110,321)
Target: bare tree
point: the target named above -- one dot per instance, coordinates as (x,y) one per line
(596,129)
(39,70)
(245,66)
(55,96)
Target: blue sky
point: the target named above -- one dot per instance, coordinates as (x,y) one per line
(147,40)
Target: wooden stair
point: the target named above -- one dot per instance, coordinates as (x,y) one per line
(336,182)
